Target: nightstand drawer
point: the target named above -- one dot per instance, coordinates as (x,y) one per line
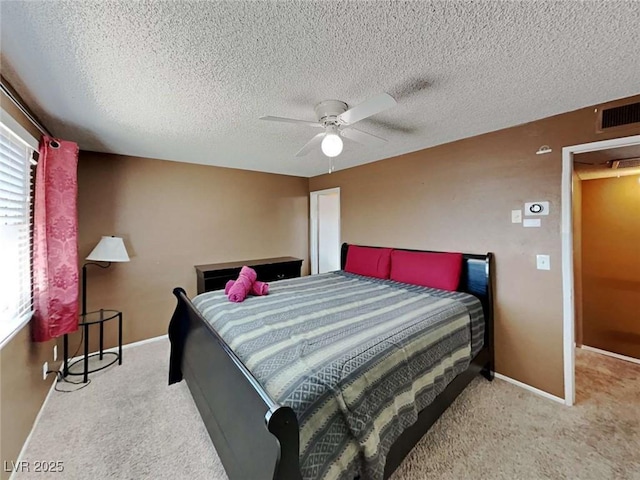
(278,271)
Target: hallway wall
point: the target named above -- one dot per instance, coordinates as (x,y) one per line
(611,264)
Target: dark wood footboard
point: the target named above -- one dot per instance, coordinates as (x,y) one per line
(255,437)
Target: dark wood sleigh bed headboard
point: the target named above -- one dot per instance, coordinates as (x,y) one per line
(476,279)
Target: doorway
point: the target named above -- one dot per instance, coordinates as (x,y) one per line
(606,235)
(568,281)
(325,230)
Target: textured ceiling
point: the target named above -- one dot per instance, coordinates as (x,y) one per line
(187,81)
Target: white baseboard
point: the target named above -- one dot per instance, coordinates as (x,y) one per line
(535,390)
(124,347)
(610,354)
(33,427)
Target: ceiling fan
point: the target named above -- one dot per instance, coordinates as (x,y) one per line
(337,119)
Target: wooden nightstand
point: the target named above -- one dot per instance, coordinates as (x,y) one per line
(216,275)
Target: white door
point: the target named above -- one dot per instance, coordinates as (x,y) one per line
(325,230)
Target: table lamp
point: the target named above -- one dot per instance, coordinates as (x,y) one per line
(108,249)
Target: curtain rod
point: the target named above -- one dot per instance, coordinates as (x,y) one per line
(7,91)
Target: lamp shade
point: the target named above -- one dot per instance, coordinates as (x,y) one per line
(109,249)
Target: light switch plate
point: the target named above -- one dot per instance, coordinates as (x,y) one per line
(516,216)
(55,353)
(531,222)
(536,208)
(543,262)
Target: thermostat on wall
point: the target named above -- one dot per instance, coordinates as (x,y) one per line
(536,208)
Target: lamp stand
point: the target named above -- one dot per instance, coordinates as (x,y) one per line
(84,282)
(65,370)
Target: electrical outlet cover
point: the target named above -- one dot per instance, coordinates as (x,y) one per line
(543,262)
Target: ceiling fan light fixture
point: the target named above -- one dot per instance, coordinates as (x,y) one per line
(331,143)
(337,119)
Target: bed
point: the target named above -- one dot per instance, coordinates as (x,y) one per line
(331,376)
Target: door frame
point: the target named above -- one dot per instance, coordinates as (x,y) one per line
(313,224)
(568,310)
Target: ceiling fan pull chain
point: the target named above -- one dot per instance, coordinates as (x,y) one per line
(331,168)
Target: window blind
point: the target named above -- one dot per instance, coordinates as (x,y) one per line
(16,304)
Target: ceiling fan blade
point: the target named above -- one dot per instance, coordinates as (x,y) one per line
(364,138)
(291,120)
(311,144)
(367,108)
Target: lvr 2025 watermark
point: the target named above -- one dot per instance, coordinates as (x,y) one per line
(33,467)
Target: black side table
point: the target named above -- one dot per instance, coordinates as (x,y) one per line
(86,320)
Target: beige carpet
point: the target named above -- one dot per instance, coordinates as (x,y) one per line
(128,424)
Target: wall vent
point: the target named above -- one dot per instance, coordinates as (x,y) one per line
(626,163)
(619,116)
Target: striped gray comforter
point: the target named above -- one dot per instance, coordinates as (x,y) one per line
(356,358)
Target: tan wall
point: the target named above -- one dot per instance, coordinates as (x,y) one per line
(174,216)
(22,390)
(611,264)
(577,255)
(9,107)
(458,197)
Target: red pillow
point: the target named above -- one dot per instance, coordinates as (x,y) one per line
(436,270)
(372,262)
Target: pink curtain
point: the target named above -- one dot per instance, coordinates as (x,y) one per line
(55,240)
